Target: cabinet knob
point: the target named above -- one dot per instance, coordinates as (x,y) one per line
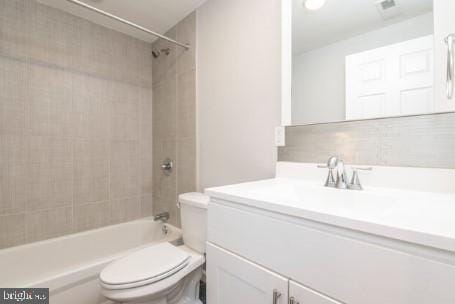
(276,296)
(293,301)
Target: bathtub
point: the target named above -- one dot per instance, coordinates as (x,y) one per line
(69,266)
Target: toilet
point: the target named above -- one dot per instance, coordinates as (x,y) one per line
(163,273)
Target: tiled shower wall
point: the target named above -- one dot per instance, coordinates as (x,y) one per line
(75,124)
(416,141)
(174,118)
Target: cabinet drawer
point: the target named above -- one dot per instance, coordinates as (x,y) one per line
(349,270)
(302,295)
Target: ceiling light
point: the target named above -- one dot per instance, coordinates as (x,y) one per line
(314,5)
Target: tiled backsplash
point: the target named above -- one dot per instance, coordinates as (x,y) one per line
(75,124)
(174,118)
(415,141)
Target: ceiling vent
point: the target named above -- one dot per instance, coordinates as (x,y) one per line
(388,9)
(387,4)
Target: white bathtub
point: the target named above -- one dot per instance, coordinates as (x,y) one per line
(70,265)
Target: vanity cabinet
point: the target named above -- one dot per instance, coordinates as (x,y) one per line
(233,279)
(323,263)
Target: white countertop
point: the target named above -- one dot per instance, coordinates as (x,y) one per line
(425,218)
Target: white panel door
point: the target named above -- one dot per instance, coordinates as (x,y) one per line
(232,279)
(391,80)
(299,294)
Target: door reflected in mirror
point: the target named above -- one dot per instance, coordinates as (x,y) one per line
(361,59)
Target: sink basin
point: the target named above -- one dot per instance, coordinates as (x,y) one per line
(313,195)
(422,217)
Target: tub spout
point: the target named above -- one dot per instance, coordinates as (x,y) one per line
(164,217)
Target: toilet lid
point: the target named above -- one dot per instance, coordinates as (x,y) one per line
(157,261)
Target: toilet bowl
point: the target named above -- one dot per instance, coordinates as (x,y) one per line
(163,273)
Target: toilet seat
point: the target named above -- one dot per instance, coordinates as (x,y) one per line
(144,291)
(144,267)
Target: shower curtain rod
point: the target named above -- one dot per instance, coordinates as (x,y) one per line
(80,3)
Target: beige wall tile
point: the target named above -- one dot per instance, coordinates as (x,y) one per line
(15,148)
(12,230)
(15,105)
(91,170)
(91,190)
(49,223)
(186,105)
(14,187)
(418,141)
(165,109)
(44,194)
(49,172)
(51,34)
(124,169)
(45,149)
(174,119)
(186,33)
(15,24)
(146,112)
(146,141)
(91,109)
(164,185)
(186,165)
(75,123)
(91,215)
(146,167)
(127,209)
(125,115)
(147,205)
(164,65)
(50,97)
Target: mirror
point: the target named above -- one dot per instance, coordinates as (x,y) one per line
(361,59)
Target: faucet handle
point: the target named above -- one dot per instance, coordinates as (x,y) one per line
(331,163)
(330,181)
(362,168)
(355,180)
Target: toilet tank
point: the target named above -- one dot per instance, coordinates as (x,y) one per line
(193,214)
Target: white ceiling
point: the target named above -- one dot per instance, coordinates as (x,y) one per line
(341,19)
(156,15)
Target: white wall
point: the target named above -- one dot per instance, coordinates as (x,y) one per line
(238,76)
(318,84)
(444,25)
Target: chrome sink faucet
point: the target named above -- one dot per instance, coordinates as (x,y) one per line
(337,168)
(342,176)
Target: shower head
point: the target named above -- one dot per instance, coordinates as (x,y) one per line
(157,53)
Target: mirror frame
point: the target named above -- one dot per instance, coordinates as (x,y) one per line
(286,62)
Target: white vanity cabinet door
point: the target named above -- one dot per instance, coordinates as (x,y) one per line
(299,294)
(232,279)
